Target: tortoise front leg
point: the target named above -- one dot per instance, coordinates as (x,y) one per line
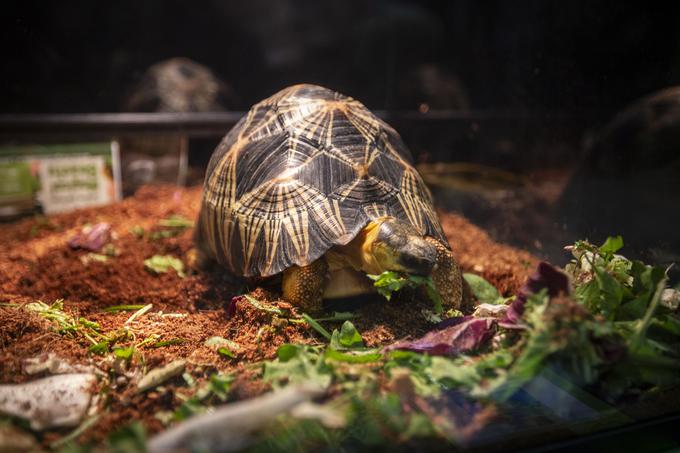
(447,276)
(303,285)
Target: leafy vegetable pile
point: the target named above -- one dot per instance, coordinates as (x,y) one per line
(604,330)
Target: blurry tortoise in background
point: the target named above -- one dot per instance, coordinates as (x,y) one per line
(179,85)
(176,85)
(628,181)
(312,185)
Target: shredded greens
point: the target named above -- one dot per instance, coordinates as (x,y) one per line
(161,264)
(483,291)
(389,282)
(595,338)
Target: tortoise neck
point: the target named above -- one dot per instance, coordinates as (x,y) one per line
(358,253)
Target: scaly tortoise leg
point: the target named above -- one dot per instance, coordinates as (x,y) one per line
(303,285)
(198,258)
(447,277)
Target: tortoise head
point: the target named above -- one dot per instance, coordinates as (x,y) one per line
(400,247)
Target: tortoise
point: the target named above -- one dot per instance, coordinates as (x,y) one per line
(179,85)
(313,186)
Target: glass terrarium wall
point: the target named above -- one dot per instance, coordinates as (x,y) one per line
(542,123)
(510,112)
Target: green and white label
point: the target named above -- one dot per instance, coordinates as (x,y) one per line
(59,178)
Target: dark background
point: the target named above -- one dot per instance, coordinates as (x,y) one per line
(558,70)
(575,56)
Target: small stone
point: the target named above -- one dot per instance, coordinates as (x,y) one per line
(55,401)
(284,305)
(490,311)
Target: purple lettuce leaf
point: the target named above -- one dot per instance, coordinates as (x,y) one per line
(545,276)
(466,334)
(91,238)
(233,307)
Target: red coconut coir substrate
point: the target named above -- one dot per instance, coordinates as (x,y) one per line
(37,264)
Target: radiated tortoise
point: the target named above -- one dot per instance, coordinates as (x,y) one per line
(313,186)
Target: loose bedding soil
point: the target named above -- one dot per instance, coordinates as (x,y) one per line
(37,264)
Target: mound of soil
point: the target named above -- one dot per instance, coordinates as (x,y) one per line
(36,263)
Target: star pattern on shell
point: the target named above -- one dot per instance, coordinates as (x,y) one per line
(306,169)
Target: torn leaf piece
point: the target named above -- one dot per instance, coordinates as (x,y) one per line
(483,291)
(297,364)
(263,306)
(545,276)
(430,316)
(160,264)
(91,237)
(93,258)
(124,353)
(468,335)
(390,281)
(316,326)
(362,356)
(348,337)
(157,376)
(223,346)
(338,316)
(176,221)
(51,402)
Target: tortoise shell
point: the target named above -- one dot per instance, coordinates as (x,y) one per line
(304,170)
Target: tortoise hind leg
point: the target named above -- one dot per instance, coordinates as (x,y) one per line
(200,260)
(303,285)
(447,277)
